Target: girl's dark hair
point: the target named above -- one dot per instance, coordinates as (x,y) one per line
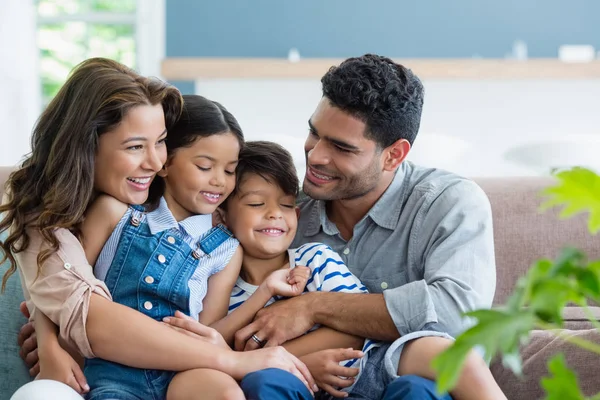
(200,118)
(55,184)
(270,161)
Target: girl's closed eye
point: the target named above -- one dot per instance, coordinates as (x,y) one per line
(203,168)
(230,172)
(288,205)
(256,204)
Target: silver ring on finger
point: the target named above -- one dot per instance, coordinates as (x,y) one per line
(258,341)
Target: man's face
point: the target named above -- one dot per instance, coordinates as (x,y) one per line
(341,163)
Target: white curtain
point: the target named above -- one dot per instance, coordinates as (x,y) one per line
(20,93)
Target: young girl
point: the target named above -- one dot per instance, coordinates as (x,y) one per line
(167,257)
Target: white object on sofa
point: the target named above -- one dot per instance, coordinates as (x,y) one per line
(45,389)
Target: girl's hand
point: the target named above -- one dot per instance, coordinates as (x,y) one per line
(58,365)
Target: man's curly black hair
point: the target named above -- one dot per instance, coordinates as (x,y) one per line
(385,95)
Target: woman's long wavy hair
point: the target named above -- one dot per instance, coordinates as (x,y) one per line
(55,184)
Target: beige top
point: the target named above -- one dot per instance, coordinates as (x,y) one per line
(63,289)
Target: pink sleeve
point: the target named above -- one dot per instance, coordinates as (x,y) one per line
(63,289)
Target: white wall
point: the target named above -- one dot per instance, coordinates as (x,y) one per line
(468,126)
(19,81)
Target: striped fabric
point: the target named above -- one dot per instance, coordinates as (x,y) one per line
(328,274)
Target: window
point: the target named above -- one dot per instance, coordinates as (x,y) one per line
(70,31)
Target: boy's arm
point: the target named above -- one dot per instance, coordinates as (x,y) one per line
(242,315)
(100,220)
(322,339)
(220,285)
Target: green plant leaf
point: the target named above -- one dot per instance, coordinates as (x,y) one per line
(496,331)
(577,190)
(562,383)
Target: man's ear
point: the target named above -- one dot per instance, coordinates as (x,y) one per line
(395,154)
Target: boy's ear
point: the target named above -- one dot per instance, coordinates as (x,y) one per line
(298,212)
(163,171)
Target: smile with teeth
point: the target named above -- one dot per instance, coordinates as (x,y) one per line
(323,177)
(211,195)
(141,181)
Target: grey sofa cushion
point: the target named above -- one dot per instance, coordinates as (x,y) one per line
(13,372)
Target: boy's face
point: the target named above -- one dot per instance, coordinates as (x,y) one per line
(262,217)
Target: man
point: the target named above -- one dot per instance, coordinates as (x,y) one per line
(420,239)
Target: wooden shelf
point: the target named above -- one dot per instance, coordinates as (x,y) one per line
(314,68)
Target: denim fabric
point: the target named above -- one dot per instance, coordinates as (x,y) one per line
(149,273)
(274,384)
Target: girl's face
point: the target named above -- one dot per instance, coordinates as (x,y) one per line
(199,178)
(129,156)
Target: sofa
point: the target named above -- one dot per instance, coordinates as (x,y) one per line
(522,235)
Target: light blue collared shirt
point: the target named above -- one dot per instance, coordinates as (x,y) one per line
(427,244)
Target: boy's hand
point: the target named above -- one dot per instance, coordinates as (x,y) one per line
(288,282)
(329,375)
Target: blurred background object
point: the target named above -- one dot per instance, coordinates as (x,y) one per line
(500,77)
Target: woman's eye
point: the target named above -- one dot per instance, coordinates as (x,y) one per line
(136,147)
(202,168)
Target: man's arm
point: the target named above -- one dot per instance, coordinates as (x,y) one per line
(454,249)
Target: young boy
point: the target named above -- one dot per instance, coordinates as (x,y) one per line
(262,215)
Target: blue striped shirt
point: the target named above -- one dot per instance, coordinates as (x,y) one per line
(328,274)
(190,230)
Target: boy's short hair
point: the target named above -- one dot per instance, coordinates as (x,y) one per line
(272,162)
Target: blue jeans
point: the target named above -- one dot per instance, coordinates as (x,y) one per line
(412,387)
(274,384)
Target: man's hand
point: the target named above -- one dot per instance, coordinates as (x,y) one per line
(278,323)
(288,282)
(27,341)
(189,326)
(58,365)
(330,376)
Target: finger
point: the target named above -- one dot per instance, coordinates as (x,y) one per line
(251,343)
(80,378)
(336,381)
(332,391)
(305,373)
(346,354)
(343,372)
(179,314)
(25,332)
(29,344)
(189,325)
(72,382)
(32,358)
(242,336)
(24,310)
(33,372)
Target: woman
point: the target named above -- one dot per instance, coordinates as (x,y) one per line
(103,133)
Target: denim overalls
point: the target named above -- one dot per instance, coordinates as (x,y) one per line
(153,274)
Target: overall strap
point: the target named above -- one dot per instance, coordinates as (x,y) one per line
(213,239)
